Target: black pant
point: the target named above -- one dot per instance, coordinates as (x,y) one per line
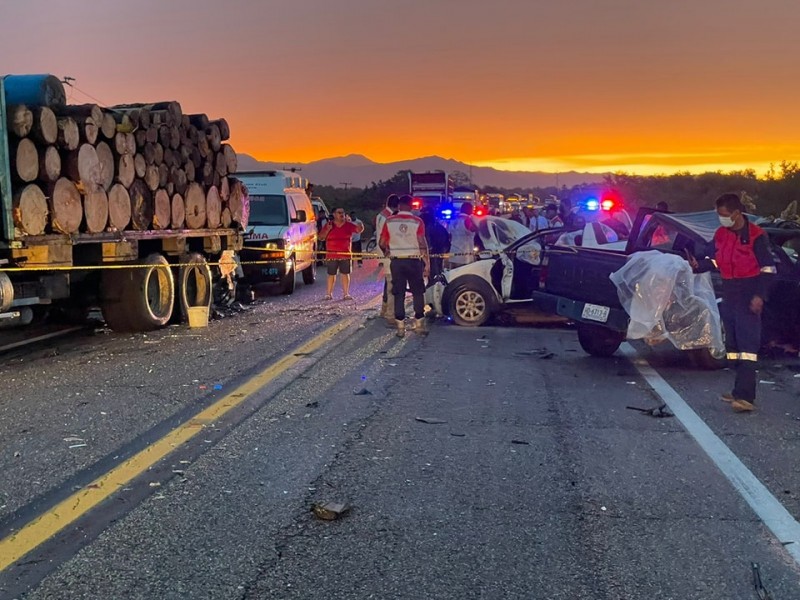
(356,249)
(437,267)
(742,342)
(408,272)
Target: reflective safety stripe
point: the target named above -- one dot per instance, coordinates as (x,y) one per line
(748,356)
(771,270)
(733,356)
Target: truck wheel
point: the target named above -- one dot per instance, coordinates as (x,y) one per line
(194,286)
(139,299)
(289,280)
(599,341)
(310,273)
(470,306)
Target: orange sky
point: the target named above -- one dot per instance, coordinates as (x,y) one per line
(575,84)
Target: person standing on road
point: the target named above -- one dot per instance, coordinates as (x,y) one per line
(552,216)
(740,251)
(403,242)
(387,309)
(337,235)
(438,242)
(462,238)
(355,240)
(538,221)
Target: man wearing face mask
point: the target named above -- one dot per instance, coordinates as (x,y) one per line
(740,250)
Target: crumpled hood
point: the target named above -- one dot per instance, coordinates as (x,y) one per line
(497,233)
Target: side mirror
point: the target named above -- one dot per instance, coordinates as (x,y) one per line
(300,218)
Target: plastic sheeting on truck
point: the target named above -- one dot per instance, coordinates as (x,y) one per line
(667,301)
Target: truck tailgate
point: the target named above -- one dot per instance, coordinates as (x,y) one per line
(582,274)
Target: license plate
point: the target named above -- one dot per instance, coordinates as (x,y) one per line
(593,312)
(270,271)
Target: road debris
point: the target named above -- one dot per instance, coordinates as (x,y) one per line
(458,434)
(313,404)
(78,446)
(362,392)
(330,511)
(521,442)
(430,420)
(659,412)
(761,591)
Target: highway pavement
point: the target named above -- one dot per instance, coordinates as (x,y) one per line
(497,462)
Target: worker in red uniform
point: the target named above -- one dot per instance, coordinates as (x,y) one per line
(403,242)
(740,250)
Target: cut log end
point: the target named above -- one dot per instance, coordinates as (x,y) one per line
(30,210)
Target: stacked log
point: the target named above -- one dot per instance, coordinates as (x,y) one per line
(88,169)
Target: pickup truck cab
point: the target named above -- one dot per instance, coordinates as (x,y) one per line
(576,283)
(281,238)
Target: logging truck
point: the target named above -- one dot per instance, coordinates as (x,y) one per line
(130,208)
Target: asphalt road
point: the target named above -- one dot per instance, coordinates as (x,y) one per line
(498,462)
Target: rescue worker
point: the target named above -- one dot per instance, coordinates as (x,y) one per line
(740,250)
(387,309)
(552,216)
(438,242)
(403,242)
(462,238)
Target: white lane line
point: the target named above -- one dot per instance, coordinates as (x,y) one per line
(779,521)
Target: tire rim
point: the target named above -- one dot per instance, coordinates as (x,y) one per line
(157,292)
(470,306)
(197,290)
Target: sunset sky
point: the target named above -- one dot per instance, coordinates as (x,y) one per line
(589,85)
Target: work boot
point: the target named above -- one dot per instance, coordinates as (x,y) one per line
(727,397)
(742,406)
(420,326)
(401,328)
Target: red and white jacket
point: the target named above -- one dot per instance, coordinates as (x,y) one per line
(401,235)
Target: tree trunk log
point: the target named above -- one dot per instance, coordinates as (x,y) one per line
(45,125)
(214,137)
(174,138)
(178,178)
(226,218)
(151,178)
(149,153)
(141,138)
(152,134)
(88,129)
(49,164)
(206,173)
(69,136)
(195,207)
(107,162)
(124,143)
(163,175)
(213,207)
(170,158)
(139,165)
(225,189)
(92,111)
(95,209)
(25,160)
(231,160)
(66,212)
(199,121)
(108,126)
(188,168)
(119,207)
(203,147)
(20,120)
(239,203)
(141,205)
(126,170)
(178,212)
(83,167)
(221,164)
(159,157)
(224,129)
(30,210)
(161,210)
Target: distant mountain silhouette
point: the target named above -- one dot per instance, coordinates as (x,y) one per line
(359,171)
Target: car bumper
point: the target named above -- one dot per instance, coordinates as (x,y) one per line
(574,310)
(265,267)
(433,297)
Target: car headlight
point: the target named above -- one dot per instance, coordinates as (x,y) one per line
(272,246)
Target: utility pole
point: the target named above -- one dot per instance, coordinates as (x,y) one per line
(346,184)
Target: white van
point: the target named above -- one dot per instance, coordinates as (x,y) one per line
(282,222)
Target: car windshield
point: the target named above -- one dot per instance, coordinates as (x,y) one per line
(268,210)
(497,233)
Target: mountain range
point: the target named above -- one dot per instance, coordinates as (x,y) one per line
(359,171)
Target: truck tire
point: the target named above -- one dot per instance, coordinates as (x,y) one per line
(138,299)
(289,280)
(597,340)
(310,273)
(470,305)
(194,285)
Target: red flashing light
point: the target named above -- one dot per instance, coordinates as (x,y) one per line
(479,211)
(607,204)
(416,204)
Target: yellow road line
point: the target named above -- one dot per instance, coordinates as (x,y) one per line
(66,512)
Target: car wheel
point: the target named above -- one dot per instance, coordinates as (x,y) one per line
(310,273)
(289,280)
(470,306)
(707,358)
(599,341)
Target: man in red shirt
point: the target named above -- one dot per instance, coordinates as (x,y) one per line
(403,242)
(337,235)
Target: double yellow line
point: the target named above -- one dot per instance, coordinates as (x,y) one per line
(66,512)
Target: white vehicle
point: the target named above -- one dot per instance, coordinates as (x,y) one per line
(506,272)
(283,224)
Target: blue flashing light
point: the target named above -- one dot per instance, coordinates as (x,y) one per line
(592,204)
(447,213)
